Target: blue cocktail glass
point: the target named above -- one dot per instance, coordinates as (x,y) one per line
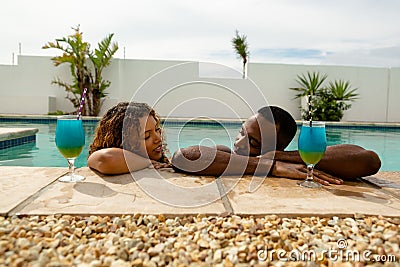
(70,139)
(312,146)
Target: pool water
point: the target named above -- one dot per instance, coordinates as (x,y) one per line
(44,153)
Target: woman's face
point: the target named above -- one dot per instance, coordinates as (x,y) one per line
(150,139)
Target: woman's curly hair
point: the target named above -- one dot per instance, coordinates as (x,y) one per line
(121,122)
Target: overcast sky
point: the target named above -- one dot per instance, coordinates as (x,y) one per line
(338,32)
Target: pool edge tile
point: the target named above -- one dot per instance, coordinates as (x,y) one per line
(20,184)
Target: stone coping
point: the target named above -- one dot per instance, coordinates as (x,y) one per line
(15,133)
(11,137)
(39,117)
(177,119)
(357,123)
(36,191)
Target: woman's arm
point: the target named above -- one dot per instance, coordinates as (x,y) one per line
(344,161)
(116,161)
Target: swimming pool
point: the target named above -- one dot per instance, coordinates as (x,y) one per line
(383,140)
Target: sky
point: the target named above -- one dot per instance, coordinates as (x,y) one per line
(339,32)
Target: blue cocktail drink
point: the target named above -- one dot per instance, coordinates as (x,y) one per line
(312,143)
(70,139)
(312,146)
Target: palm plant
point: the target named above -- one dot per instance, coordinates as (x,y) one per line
(76,52)
(101,58)
(342,91)
(310,84)
(241,47)
(332,100)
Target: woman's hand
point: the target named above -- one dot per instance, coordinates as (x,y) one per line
(159,165)
(299,171)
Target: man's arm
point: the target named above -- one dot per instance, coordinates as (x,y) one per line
(202,160)
(223,148)
(199,160)
(116,161)
(345,161)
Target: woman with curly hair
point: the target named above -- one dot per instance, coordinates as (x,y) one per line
(128,138)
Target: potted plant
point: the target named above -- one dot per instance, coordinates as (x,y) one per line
(309,85)
(330,102)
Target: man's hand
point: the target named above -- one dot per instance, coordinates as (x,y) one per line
(299,171)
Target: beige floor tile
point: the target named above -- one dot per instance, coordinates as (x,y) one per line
(17,184)
(27,190)
(388,181)
(283,196)
(149,194)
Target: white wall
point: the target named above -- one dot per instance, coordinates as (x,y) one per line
(372,84)
(393,107)
(26,88)
(180,89)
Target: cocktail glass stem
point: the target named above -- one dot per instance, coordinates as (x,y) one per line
(71,177)
(310,173)
(71,167)
(309,181)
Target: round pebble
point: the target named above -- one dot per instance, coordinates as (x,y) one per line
(148,240)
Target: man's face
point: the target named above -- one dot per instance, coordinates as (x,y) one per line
(251,141)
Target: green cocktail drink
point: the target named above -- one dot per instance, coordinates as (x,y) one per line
(312,146)
(70,139)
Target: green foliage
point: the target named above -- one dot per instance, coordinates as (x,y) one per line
(57,113)
(341,91)
(77,53)
(328,103)
(310,84)
(241,47)
(326,107)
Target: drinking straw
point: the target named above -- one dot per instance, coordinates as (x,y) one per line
(310,109)
(81,104)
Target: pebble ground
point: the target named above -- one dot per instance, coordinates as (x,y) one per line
(148,240)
